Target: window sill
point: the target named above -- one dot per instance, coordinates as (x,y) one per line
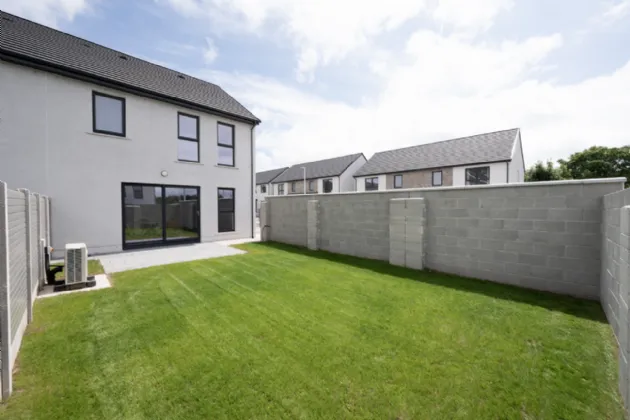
(111,136)
(189,163)
(225,167)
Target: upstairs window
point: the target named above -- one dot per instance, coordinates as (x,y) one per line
(188,137)
(397,181)
(478,176)
(225,140)
(293,185)
(108,114)
(312,186)
(328,185)
(263,189)
(371,184)
(280,189)
(436,178)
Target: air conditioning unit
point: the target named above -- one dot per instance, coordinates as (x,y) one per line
(76,263)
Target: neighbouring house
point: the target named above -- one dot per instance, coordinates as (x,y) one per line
(132,154)
(490,158)
(322,177)
(264,186)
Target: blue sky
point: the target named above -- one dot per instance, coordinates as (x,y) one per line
(332,77)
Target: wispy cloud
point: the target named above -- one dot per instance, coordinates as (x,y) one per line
(210,52)
(47,12)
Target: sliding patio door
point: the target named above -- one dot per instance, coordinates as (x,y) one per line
(158,215)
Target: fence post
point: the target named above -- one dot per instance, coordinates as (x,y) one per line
(312,224)
(40,231)
(5,312)
(29,257)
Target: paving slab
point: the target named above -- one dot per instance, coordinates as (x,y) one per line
(102,282)
(133,260)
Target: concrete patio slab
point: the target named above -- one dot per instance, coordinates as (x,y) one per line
(132,260)
(102,282)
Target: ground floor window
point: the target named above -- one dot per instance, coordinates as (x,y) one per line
(155,214)
(226,210)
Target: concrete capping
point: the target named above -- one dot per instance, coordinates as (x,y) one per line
(29,258)
(471,187)
(5,293)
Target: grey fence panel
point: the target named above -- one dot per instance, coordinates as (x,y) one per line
(37,274)
(18,260)
(24,224)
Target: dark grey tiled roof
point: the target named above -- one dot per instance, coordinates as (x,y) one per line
(319,169)
(268,176)
(29,41)
(488,147)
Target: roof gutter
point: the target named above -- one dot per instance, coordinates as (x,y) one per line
(86,77)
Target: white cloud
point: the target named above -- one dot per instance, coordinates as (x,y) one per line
(616,11)
(470,15)
(322,31)
(210,52)
(442,88)
(47,12)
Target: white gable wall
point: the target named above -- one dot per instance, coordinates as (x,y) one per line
(346,179)
(517,166)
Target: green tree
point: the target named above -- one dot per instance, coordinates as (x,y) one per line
(543,172)
(598,162)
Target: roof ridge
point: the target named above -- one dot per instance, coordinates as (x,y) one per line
(445,141)
(323,160)
(107,48)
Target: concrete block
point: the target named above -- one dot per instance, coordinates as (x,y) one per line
(516,268)
(466,223)
(468,203)
(551,202)
(583,227)
(492,202)
(548,226)
(505,257)
(504,213)
(414,260)
(491,266)
(457,213)
(532,259)
(482,254)
(554,274)
(479,213)
(518,247)
(585,252)
(397,257)
(468,243)
(492,244)
(568,214)
(518,224)
(533,214)
(571,263)
(490,223)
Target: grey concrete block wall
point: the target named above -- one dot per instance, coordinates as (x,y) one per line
(615,277)
(543,236)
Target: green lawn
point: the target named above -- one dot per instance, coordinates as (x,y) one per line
(94,268)
(287,333)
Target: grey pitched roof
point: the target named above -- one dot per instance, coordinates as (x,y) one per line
(481,148)
(33,44)
(267,176)
(319,169)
